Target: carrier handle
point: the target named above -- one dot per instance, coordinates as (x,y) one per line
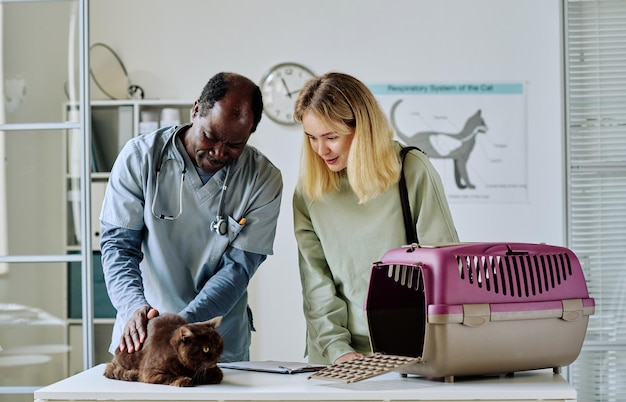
(506,249)
(509,251)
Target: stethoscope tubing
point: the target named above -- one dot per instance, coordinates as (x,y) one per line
(158,166)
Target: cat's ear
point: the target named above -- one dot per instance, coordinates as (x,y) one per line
(216,321)
(185,332)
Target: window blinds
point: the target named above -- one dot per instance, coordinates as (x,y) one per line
(595,61)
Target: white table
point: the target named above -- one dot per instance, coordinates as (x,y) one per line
(238,385)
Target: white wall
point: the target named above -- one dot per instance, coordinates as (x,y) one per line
(171,48)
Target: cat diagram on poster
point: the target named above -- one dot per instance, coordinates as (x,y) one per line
(475,134)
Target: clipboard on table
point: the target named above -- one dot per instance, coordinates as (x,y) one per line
(272,366)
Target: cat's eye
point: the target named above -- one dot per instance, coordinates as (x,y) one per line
(206,349)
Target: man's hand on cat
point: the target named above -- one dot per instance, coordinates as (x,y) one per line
(135,331)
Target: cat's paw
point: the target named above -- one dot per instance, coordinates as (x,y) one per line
(211,376)
(130,375)
(182,382)
(109,371)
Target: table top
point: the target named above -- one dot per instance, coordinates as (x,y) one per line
(246,385)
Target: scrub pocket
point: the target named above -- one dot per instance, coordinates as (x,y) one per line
(233,229)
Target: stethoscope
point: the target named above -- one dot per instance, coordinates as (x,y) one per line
(219,225)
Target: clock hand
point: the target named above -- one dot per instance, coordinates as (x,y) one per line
(286,88)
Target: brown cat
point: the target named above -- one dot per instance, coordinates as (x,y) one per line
(175,353)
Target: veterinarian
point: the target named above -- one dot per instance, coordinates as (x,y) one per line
(189,214)
(347,211)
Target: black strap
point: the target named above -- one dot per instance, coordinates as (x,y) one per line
(409,226)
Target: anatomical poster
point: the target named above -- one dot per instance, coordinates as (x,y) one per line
(475,134)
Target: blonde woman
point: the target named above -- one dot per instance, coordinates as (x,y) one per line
(347,210)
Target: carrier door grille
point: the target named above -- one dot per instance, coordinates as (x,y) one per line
(518,275)
(409,276)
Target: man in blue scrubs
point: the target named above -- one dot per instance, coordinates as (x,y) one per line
(189,214)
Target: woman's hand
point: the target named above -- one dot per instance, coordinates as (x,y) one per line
(347,357)
(135,330)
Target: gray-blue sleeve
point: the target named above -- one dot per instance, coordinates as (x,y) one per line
(224,289)
(121,255)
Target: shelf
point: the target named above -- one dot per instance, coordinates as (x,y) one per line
(114,122)
(96,321)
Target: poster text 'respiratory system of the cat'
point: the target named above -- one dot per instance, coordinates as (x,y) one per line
(475,134)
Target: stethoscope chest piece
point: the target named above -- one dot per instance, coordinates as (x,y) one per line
(219,226)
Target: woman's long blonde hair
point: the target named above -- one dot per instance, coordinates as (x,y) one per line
(349,107)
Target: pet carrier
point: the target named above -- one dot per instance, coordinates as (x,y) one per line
(476,308)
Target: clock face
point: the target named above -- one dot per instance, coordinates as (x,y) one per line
(280,87)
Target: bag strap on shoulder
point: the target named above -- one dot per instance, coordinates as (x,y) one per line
(409,227)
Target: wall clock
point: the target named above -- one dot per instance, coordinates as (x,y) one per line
(280,87)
